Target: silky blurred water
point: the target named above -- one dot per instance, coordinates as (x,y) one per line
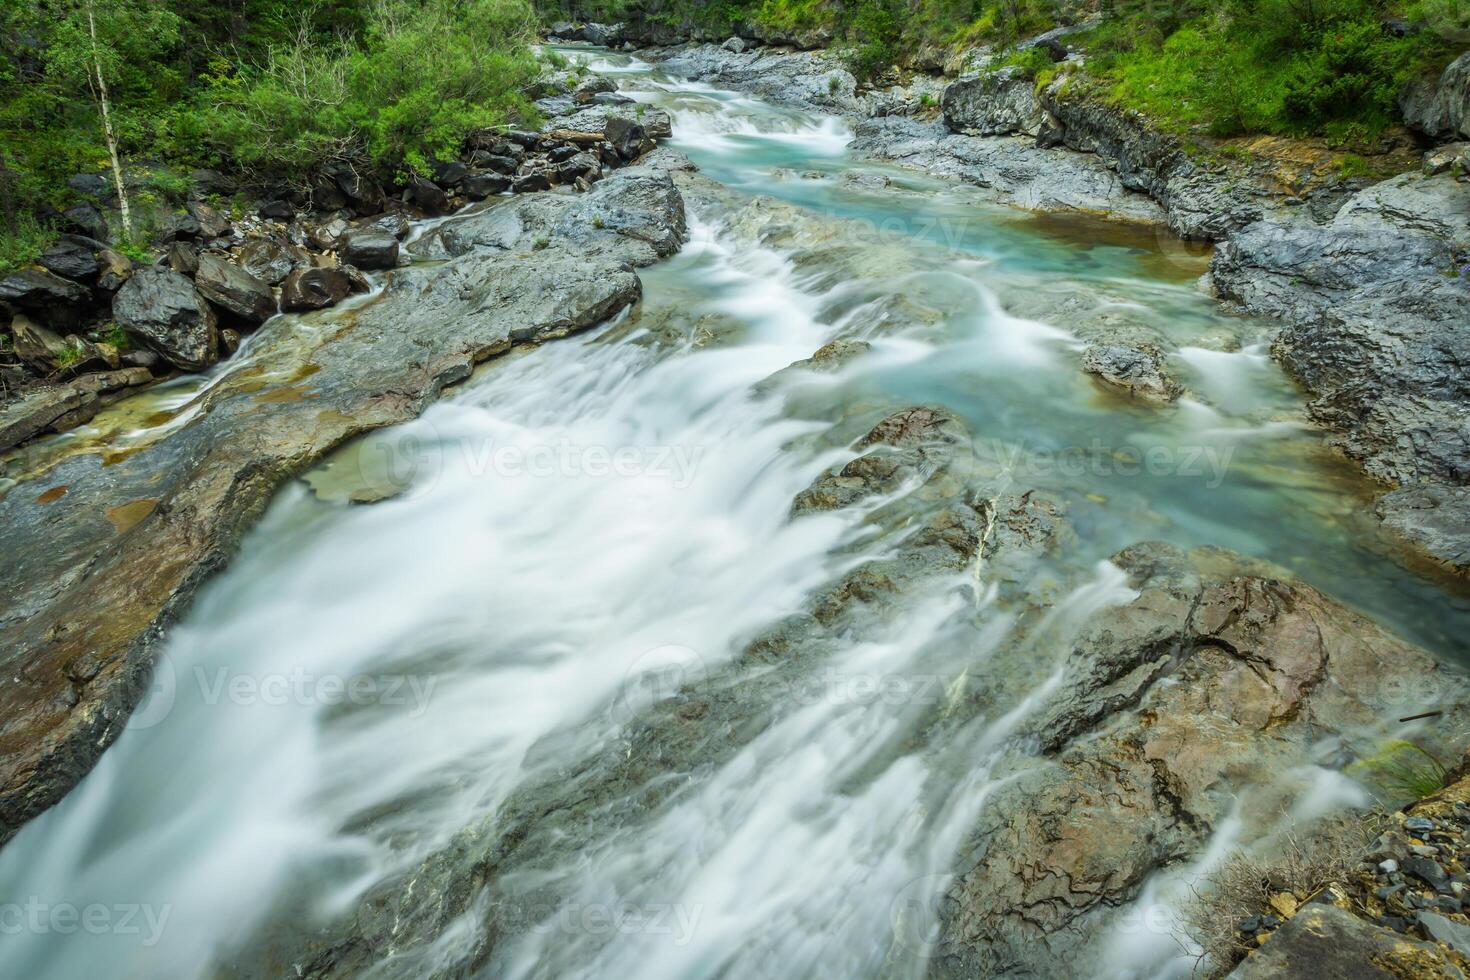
(582,522)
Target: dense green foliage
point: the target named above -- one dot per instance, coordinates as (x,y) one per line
(419,77)
(1290,67)
(267,86)
(1293,67)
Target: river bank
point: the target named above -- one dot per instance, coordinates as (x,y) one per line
(111,540)
(1368,283)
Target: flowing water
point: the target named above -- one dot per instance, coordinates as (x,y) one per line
(585,529)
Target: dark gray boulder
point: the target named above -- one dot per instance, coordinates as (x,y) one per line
(626,135)
(449,173)
(89,185)
(182,257)
(480,186)
(85,219)
(313,289)
(234,290)
(363,193)
(36,289)
(163,309)
(72,256)
(995,103)
(266,260)
(427,195)
(534,180)
(1440,107)
(370,249)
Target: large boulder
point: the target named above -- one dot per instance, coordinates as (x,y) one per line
(37,347)
(1440,107)
(268,261)
(72,256)
(427,195)
(370,250)
(164,310)
(56,301)
(1324,942)
(85,219)
(995,103)
(477,187)
(312,289)
(234,290)
(36,288)
(627,137)
(364,194)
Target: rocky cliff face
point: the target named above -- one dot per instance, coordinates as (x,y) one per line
(1440,107)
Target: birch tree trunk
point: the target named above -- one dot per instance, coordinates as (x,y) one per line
(106,108)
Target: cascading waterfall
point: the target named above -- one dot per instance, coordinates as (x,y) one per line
(580,520)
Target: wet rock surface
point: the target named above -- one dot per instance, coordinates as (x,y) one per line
(1212,676)
(1140,371)
(138,536)
(1378,329)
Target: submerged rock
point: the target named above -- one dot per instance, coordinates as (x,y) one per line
(1138,370)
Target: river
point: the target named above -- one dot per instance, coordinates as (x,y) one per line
(585,530)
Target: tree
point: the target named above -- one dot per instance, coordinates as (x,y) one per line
(110,49)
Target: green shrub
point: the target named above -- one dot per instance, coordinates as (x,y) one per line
(23,242)
(1402,771)
(877,33)
(421,77)
(1353,70)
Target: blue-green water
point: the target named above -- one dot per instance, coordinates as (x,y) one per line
(1235,463)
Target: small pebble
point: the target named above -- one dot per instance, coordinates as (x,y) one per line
(1419,824)
(1388,867)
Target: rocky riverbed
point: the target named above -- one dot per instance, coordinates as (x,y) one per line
(1369,283)
(872,694)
